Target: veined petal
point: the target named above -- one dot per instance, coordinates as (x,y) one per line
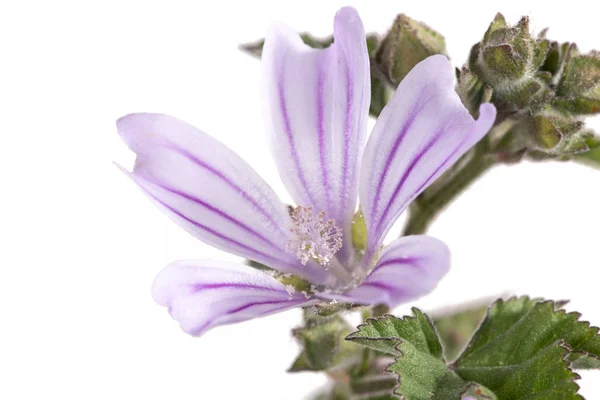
(317,105)
(202,294)
(211,192)
(410,267)
(421,132)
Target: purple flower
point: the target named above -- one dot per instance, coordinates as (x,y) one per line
(316,110)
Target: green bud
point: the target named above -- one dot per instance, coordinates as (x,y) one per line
(591,157)
(556,58)
(508,59)
(579,88)
(555,134)
(323,344)
(407,43)
(381,91)
(472,91)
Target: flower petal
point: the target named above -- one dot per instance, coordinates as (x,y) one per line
(421,132)
(317,105)
(410,267)
(202,294)
(211,192)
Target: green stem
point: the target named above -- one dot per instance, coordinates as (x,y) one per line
(433,200)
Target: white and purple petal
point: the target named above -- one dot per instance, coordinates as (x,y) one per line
(420,133)
(317,105)
(409,268)
(202,294)
(210,191)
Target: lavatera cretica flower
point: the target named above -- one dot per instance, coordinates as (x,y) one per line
(316,104)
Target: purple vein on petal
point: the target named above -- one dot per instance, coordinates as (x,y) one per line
(321,132)
(379,285)
(347,137)
(288,131)
(224,178)
(399,260)
(414,112)
(203,286)
(220,213)
(414,162)
(220,235)
(242,308)
(442,165)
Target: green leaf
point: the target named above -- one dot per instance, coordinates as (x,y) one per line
(420,365)
(544,376)
(516,329)
(384,334)
(524,349)
(478,392)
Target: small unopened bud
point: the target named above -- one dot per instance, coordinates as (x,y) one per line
(556,134)
(508,59)
(472,91)
(407,43)
(579,88)
(559,54)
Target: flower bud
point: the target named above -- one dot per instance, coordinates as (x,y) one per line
(556,58)
(323,344)
(407,43)
(555,134)
(508,59)
(472,91)
(591,157)
(579,88)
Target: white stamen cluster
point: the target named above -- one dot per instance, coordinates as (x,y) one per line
(314,238)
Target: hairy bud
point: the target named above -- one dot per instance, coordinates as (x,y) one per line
(578,90)
(508,59)
(555,134)
(472,91)
(407,43)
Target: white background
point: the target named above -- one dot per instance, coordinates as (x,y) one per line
(81,245)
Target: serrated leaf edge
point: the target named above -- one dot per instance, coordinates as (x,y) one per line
(565,359)
(558,304)
(451,367)
(414,310)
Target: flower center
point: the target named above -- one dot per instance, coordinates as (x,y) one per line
(314,237)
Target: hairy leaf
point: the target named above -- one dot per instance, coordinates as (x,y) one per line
(420,364)
(516,329)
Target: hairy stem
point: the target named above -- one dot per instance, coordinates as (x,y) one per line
(433,200)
